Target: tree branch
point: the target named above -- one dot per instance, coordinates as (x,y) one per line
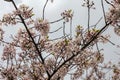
(82,49)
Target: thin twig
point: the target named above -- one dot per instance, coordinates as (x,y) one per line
(95,25)
(103,11)
(97,48)
(108,40)
(56,21)
(71,29)
(109,3)
(44,9)
(88,3)
(64,29)
(56,30)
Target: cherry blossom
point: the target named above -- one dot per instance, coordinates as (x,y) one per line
(114,16)
(24,11)
(43,26)
(67,15)
(33,55)
(9,52)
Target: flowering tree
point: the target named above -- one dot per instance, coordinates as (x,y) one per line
(32,55)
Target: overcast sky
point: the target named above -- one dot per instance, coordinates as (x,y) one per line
(53,11)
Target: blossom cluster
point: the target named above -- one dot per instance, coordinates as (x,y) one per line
(9,52)
(9,73)
(24,11)
(114,16)
(89,4)
(23,40)
(84,36)
(32,55)
(67,15)
(12,18)
(62,47)
(9,19)
(42,26)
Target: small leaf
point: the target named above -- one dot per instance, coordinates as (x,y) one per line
(32,14)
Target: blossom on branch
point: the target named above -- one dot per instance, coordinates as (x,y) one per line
(9,19)
(24,11)
(9,52)
(23,40)
(42,26)
(114,16)
(67,15)
(33,55)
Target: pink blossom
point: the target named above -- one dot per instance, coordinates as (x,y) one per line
(43,26)
(8,52)
(114,14)
(23,40)
(67,15)
(24,11)
(9,19)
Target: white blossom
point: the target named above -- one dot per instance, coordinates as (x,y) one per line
(42,26)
